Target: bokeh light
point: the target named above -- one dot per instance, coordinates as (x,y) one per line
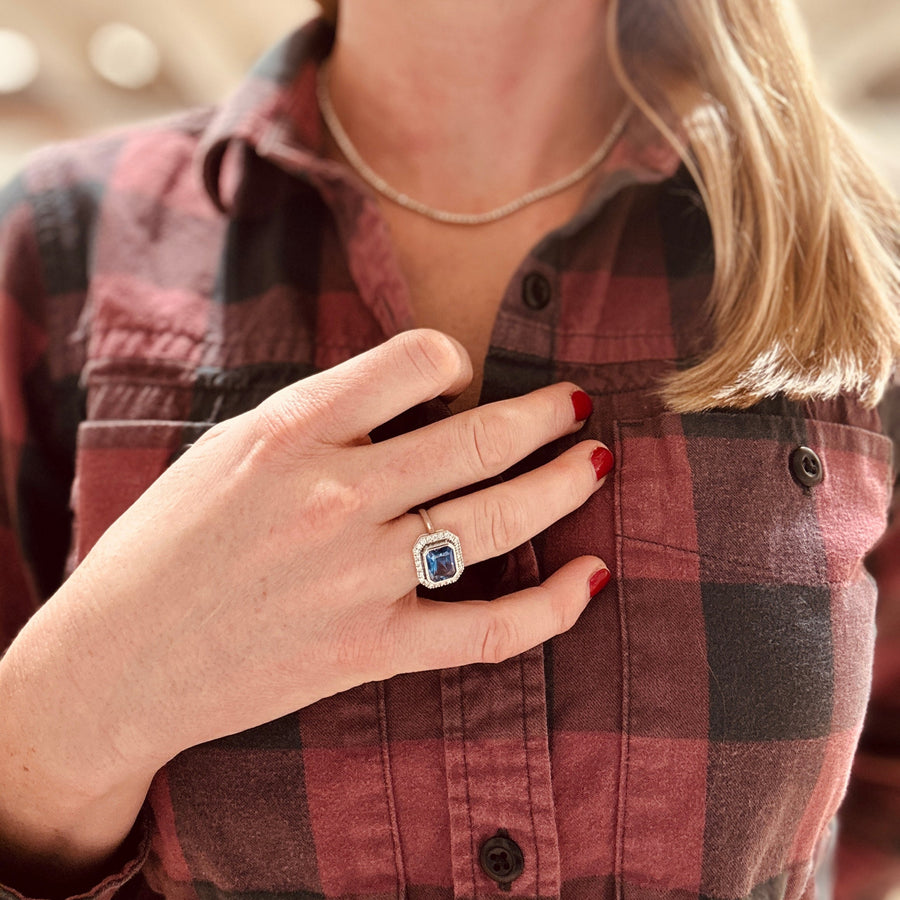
(124,56)
(19,61)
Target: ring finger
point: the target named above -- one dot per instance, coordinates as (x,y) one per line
(493,521)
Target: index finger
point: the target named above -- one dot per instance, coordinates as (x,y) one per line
(343,404)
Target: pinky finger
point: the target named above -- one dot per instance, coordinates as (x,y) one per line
(437,635)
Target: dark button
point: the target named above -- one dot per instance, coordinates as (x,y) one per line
(501,859)
(536,290)
(806,467)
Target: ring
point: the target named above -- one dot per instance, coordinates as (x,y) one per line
(438,556)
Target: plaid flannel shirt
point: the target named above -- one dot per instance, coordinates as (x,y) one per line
(692,736)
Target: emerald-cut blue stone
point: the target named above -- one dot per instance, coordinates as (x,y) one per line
(440,563)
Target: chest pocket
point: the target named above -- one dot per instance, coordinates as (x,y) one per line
(748,629)
(141,415)
(116,462)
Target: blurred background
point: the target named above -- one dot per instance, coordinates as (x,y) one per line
(72,67)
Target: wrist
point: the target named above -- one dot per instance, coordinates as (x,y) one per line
(68,797)
(73,685)
(65,861)
(56,837)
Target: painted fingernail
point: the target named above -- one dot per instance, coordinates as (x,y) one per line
(583,405)
(599,580)
(602,461)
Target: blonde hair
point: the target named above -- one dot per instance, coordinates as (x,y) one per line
(807,269)
(807,273)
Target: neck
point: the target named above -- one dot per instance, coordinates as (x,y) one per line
(467,104)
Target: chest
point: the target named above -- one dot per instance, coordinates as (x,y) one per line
(459,296)
(458,276)
(457,293)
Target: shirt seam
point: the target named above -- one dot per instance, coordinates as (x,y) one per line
(528,768)
(744,567)
(199,341)
(387,781)
(548,327)
(462,727)
(625,746)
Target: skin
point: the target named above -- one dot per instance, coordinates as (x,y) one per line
(516,95)
(189,621)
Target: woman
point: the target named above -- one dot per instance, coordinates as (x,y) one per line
(239,689)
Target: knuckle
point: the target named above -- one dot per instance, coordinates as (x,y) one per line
(281,421)
(275,421)
(500,523)
(500,640)
(432,355)
(292,420)
(490,442)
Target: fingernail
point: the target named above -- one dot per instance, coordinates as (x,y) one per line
(602,461)
(583,405)
(599,580)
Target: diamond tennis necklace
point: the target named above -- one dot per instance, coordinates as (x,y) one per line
(440,215)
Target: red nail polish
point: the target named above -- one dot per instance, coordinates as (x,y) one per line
(599,580)
(602,461)
(583,405)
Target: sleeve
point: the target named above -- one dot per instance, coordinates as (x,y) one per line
(41,295)
(19,278)
(868,858)
(44,238)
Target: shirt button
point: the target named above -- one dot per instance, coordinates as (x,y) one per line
(806,467)
(502,859)
(536,291)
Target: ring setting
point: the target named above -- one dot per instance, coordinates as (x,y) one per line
(437,555)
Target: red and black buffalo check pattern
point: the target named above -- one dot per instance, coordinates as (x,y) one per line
(691,737)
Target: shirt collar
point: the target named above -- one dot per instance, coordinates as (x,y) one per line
(279,92)
(275,113)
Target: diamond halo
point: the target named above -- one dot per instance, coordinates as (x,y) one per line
(438,558)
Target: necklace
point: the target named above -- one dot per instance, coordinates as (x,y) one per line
(440,215)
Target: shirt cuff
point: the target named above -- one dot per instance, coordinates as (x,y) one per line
(128,862)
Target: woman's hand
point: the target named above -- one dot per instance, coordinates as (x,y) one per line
(272,566)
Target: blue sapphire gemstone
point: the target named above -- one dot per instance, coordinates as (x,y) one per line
(440,562)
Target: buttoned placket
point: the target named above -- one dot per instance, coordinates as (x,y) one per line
(496,746)
(495,732)
(497,757)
